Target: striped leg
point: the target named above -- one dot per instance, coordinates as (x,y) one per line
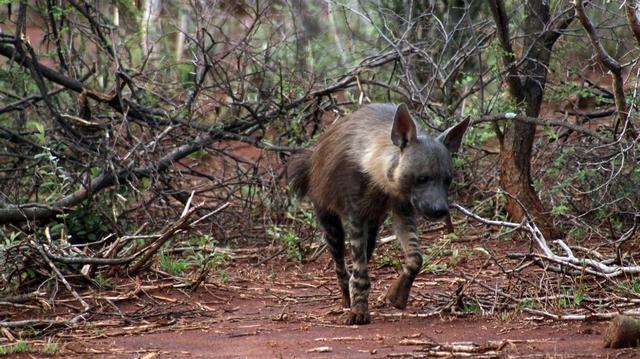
(372,235)
(359,282)
(404,226)
(334,235)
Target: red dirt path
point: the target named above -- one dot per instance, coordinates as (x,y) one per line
(283,310)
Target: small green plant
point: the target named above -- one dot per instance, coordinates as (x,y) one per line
(54,182)
(101,282)
(224,276)
(559,209)
(207,258)
(436,250)
(10,239)
(18,347)
(290,240)
(504,316)
(471,307)
(564,302)
(577,233)
(527,303)
(305,217)
(172,265)
(573,298)
(387,259)
(88,222)
(288,236)
(578,297)
(551,134)
(50,347)
(435,268)
(21,347)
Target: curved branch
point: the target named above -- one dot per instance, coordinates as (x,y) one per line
(66,81)
(541,121)
(563,21)
(609,62)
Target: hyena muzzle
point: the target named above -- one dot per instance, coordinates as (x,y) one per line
(375,160)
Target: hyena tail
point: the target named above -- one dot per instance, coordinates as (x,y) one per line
(298,171)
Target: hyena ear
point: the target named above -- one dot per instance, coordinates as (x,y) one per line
(452,137)
(404,130)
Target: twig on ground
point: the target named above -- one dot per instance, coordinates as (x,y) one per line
(587,264)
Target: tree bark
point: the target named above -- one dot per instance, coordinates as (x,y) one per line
(526,86)
(632,7)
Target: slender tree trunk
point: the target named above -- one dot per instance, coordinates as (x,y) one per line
(184,29)
(526,86)
(151,30)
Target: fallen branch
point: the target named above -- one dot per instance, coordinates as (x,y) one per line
(587,265)
(86,307)
(167,233)
(582,317)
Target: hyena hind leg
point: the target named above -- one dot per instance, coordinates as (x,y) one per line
(334,235)
(404,224)
(359,283)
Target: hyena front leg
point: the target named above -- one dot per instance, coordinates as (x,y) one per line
(404,226)
(334,235)
(359,283)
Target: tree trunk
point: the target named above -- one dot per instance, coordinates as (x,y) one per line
(151,30)
(518,137)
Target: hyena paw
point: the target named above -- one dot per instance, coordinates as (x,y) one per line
(357,318)
(398,300)
(398,293)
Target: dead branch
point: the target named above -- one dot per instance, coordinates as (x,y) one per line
(17,213)
(582,317)
(55,269)
(588,265)
(610,63)
(166,234)
(31,212)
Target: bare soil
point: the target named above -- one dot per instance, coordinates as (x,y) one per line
(282,309)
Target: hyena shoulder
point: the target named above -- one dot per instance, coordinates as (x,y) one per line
(348,159)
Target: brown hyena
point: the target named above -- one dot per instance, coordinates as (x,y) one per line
(375,160)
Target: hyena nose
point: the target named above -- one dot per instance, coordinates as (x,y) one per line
(439,212)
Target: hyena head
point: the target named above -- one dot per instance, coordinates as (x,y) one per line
(424,168)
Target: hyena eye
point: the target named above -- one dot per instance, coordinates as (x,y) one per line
(423,179)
